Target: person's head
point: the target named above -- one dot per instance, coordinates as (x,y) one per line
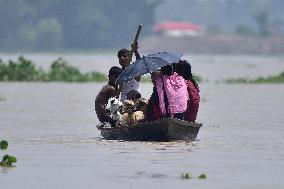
(113,74)
(123,57)
(133,95)
(167,70)
(183,69)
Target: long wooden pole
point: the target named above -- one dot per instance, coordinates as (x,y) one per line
(135,41)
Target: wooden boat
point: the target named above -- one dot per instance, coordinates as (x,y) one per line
(166,129)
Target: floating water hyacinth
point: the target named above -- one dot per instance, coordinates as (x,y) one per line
(186,176)
(3,145)
(189,176)
(202,176)
(7,160)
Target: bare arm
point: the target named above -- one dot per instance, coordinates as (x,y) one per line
(101,101)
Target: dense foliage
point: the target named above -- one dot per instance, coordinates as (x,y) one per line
(72,24)
(60,70)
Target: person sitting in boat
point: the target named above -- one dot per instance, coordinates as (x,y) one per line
(124,60)
(153,111)
(134,95)
(108,91)
(133,108)
(183,69)
(172,92)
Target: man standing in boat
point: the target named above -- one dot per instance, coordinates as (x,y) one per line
(124,57)
(108,91)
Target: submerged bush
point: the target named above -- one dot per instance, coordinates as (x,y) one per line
(60,70)
(24,70)
(269,79)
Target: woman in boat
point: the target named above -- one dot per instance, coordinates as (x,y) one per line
(153,111)
(172,93)
(183,68)
(124,61)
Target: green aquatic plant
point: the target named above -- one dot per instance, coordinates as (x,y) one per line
(3,145)
(60,70)
(186,176)
(189,176)
(269,79)
(7,160)
(202,176)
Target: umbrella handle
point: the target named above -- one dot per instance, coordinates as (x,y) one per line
(135,41)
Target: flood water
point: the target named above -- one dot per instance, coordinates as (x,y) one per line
(51,129)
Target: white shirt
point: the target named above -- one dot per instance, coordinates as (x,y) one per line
(129,86)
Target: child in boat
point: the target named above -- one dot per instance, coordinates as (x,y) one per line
(172,92)
(183,68)
(124,60)
(133,109)
(133,95)
(108,91)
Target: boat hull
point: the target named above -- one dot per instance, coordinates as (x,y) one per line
(167,129)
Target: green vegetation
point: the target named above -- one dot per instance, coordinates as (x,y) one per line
(189,176)
(202,176)
(270,79)
(186,176)
(60,70)
(251,18)
(7,160)
(70,24)
(3,145)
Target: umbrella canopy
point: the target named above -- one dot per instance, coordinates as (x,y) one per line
(147,64)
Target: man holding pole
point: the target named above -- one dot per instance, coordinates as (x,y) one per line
(125,57)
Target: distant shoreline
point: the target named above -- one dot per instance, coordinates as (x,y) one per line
(215,44)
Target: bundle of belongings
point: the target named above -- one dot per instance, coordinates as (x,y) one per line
(128,112)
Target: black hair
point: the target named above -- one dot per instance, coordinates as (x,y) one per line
(133,95)
(183,68)
(167,70)
(115,71)
(122,52)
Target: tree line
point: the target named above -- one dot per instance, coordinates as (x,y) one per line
(71,24)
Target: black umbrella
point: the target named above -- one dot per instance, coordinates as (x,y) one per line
(147,64)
